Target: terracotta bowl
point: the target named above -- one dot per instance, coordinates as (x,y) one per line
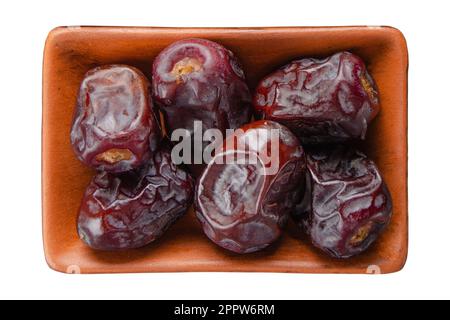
(71,51)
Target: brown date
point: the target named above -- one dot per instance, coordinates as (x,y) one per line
(321,100)
(243,205)
(132,209)
(114,127)
(346,204)
(200,80)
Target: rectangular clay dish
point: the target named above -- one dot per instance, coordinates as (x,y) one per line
(71,51)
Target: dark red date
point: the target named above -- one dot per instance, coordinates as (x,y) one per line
(130,210)
(243,206)
(346,204)
(321,100)
(200,80)
(114,127)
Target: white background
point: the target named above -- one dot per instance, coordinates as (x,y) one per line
(23,29)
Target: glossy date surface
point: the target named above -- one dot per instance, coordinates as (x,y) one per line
(242,206)
(200,80)
(114,127)
(321,100)
(132,209)
(346,204)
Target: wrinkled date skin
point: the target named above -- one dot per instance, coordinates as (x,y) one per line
(197,79)
(327,100)
(130,210)
(114,127)
(346,204)
(243,207)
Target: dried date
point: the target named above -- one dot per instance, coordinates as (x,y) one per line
(200,80)
(114,128)
(321,100)
(243,205)
(130,210)
(346,204)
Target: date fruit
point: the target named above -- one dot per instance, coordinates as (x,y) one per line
(346,204)
(320,100)
(130,210)
(200,80)
(243,205)
(114,127)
